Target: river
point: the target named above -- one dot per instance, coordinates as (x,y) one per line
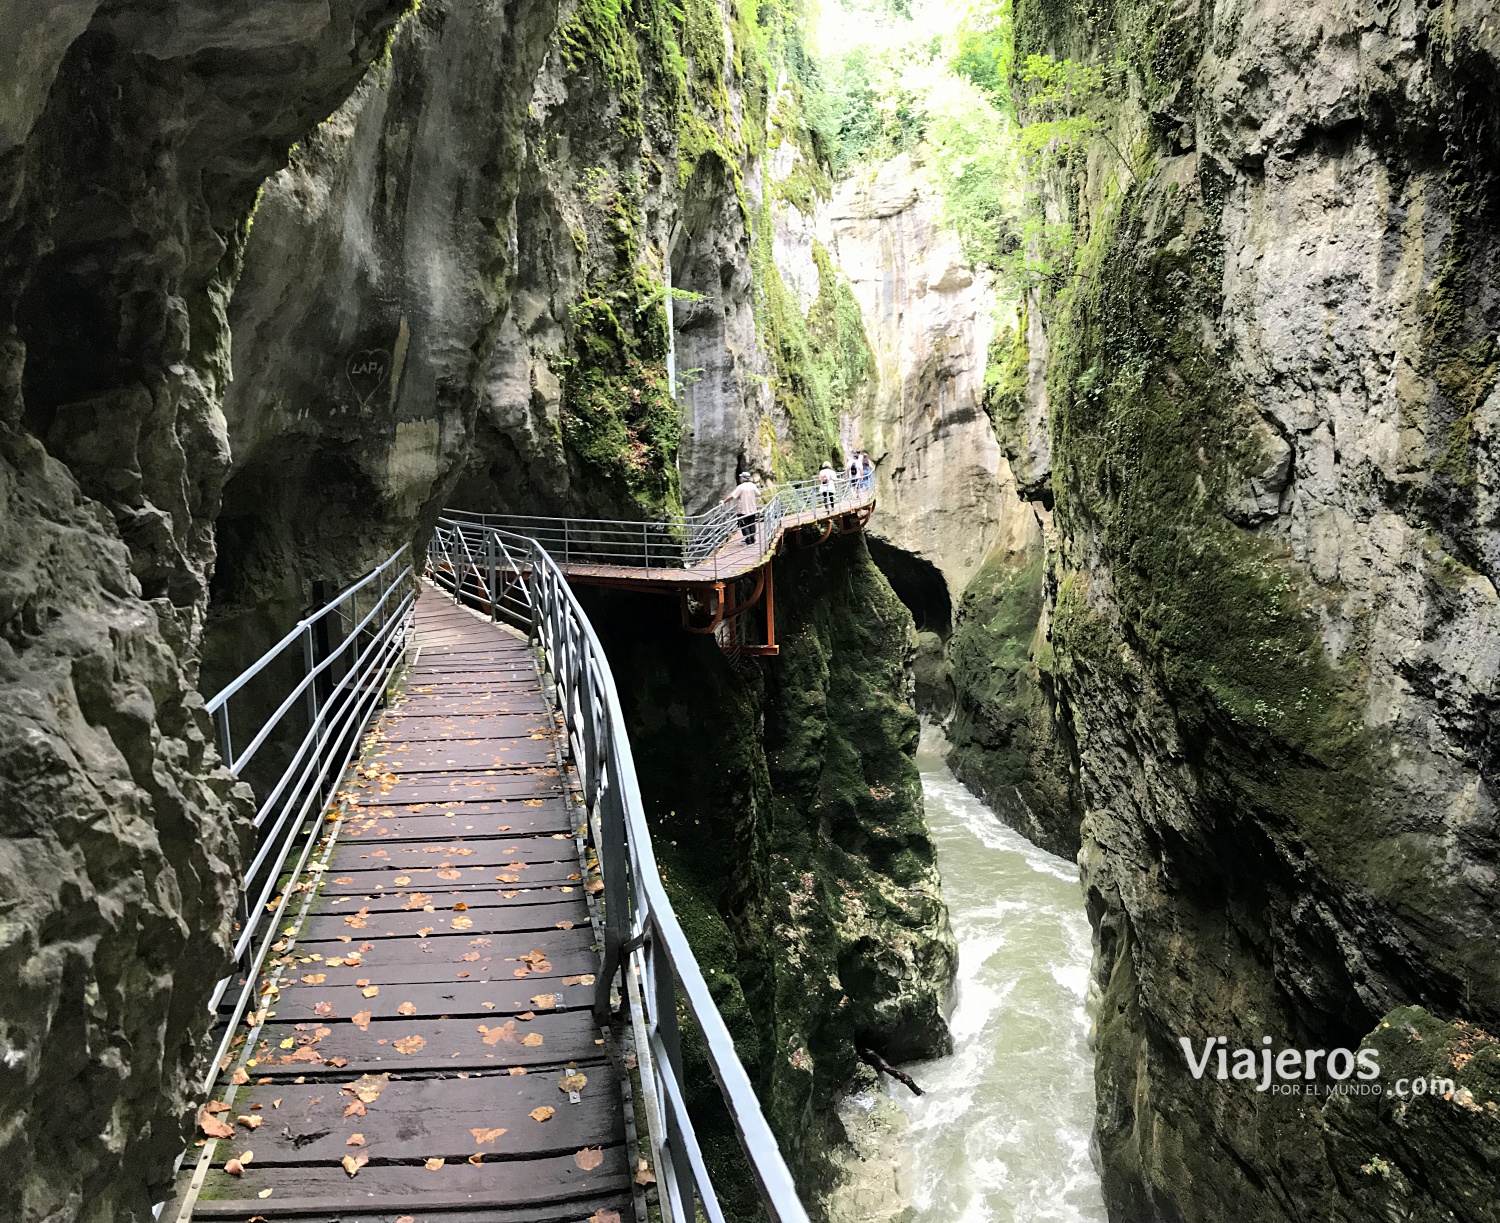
(1002,1135)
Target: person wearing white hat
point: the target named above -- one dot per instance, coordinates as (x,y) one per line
(746,498)
(826,482)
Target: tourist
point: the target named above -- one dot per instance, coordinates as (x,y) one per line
(746,498)
(854,468)
(826,482)
(866,471)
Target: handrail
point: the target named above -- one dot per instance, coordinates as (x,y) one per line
(338,709)
(642,936)
(713,543)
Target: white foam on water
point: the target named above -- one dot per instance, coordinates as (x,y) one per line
(1003,1133)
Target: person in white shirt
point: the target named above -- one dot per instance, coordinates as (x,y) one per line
(746,498)
(826,481)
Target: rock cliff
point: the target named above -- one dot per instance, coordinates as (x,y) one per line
(1270,622)
(133,137)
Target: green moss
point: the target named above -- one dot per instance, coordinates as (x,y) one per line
(1005,376)
(1005,744)
(820,364)
(618,420)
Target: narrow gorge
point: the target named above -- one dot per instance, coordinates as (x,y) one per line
(1169,331)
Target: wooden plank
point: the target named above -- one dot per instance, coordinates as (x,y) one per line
(493,726)
(418,1119)
(449,1044)
(454,998)
(539,782)
(413,859)
(528,827)
(549,1189)
(394,952)
(461,754)
(476,897)
(436,960)
(486,920)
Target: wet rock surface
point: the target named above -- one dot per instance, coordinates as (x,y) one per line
(1269,598)
(132,141)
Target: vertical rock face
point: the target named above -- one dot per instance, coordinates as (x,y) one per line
(946,493)
(377,276)
(132,139)
(1273,631)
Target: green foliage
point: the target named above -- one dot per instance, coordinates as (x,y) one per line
(1067,105)
(986,49)
(818,363)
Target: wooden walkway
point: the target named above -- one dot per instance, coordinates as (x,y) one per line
(737,558)
(428,1023)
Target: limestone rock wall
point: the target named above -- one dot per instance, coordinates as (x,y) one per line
(946,493)
(133,137)
(1270,607)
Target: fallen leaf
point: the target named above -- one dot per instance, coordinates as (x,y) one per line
(482,1136)
(407,1008)
(240,1077)
(265,1193)
(424,931)
(516,1070)
(213,1127)
(314,978)
(370,991)
(355,1140)
(323,1009)
(250,1123)
(432,1165)
(542,1113)
(344,880)
(462,923)
(367,1087)
(544,1002)
(573,1082)
(449,874)
(477,1158)
(234,1167)
(409,1044)
(532,1039)
(643,1174)
(469,957)
(604,1216)
(493,1036)
(586,979)
(594,886)
(362,982)
(246,1157)
(362,1020)
(216,1106)
(353,1163)
(460,906)
(337,1062)
(589,1158)
(564,925)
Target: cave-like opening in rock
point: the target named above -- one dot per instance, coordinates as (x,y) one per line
(918,583)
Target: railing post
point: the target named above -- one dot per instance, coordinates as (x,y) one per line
(489,549)
(226,746)
(671,1042)
(309,660)
(612,867)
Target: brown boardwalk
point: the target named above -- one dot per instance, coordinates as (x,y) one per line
(737,557)
(450,949)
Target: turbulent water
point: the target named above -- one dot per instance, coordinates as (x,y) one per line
(1002,1135)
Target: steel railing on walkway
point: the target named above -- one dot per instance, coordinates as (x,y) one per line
(706,542)
(347,651)
(509,576)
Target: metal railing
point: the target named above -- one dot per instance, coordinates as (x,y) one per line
(348,650)
(713,542)
(507,575)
